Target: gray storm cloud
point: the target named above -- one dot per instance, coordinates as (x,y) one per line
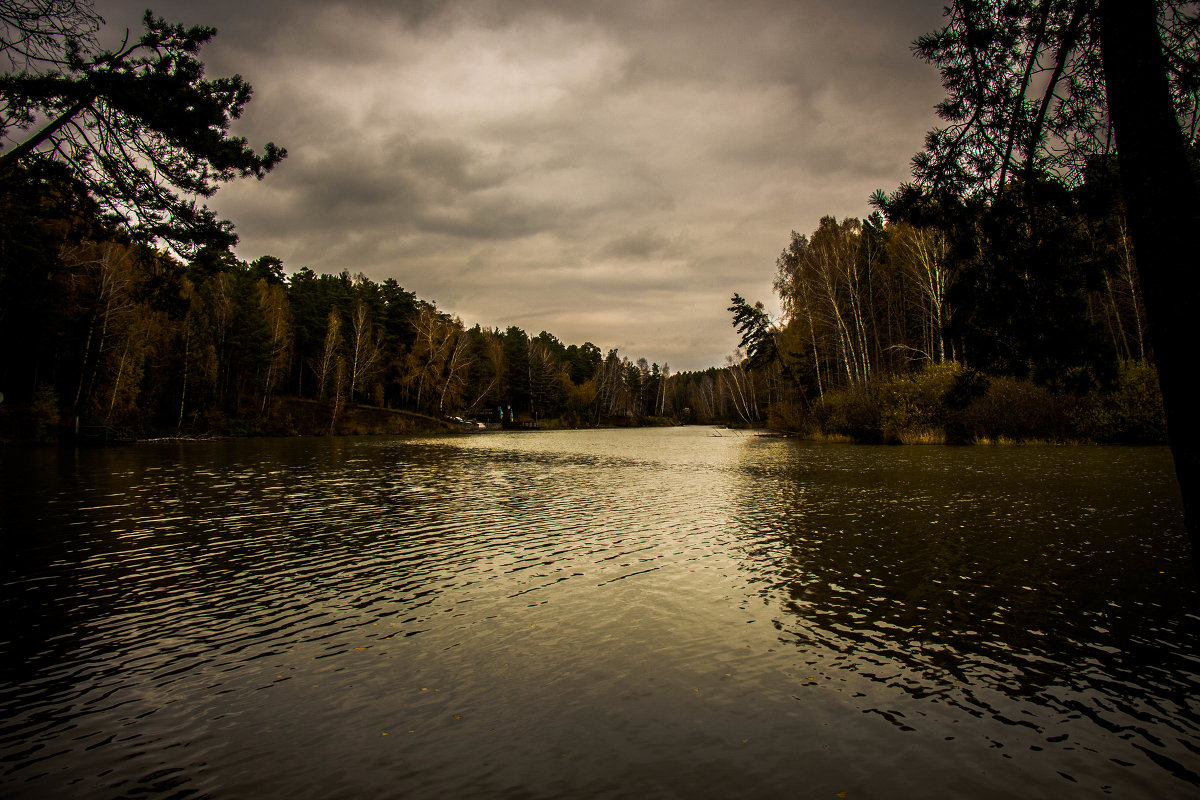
(610,172)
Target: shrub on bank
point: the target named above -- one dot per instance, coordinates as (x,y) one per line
(953,404)
(784,415)
(850,412)
(912,408)
(1015,410)
(915,408)
(1132,413)
(38,422)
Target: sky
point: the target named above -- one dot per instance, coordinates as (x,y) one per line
(606,171)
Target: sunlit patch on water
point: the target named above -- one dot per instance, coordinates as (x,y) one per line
(595,613)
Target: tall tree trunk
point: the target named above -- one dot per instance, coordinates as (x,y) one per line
(812,331)
(1133,296)
(1163,207)
(112,403)
(83,365)
(1116,328)
(187,342)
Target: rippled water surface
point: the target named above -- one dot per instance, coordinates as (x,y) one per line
(643,613)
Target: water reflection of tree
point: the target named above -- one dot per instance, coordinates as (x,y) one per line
(987,588)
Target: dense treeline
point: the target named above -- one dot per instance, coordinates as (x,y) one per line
(1042,247)
(983,320)
(996,298)
(962,318)
(117,332)
(119,335)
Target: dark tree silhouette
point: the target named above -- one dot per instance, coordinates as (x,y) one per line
(1163,207)
(1045,87)
(760,339)
(40,34)
(140,126)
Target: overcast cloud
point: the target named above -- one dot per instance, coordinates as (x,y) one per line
(607,171)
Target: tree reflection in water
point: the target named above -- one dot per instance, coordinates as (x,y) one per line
(1046,590)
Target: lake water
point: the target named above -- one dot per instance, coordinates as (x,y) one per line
(675,613)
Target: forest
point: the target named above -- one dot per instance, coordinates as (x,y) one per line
(125,313)
(891,334)
(122,336)
(1012,318)
(998,297)
(1035,278)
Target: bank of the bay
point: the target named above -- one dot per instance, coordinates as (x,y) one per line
(941,404)
(952,404)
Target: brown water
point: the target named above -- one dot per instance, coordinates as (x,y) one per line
(641,613)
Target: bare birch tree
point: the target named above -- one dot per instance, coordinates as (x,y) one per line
(101,280)
(921,252)
(366,351)
(273,303)
(327,366)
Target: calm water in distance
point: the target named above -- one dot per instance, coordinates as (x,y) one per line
(674,613)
